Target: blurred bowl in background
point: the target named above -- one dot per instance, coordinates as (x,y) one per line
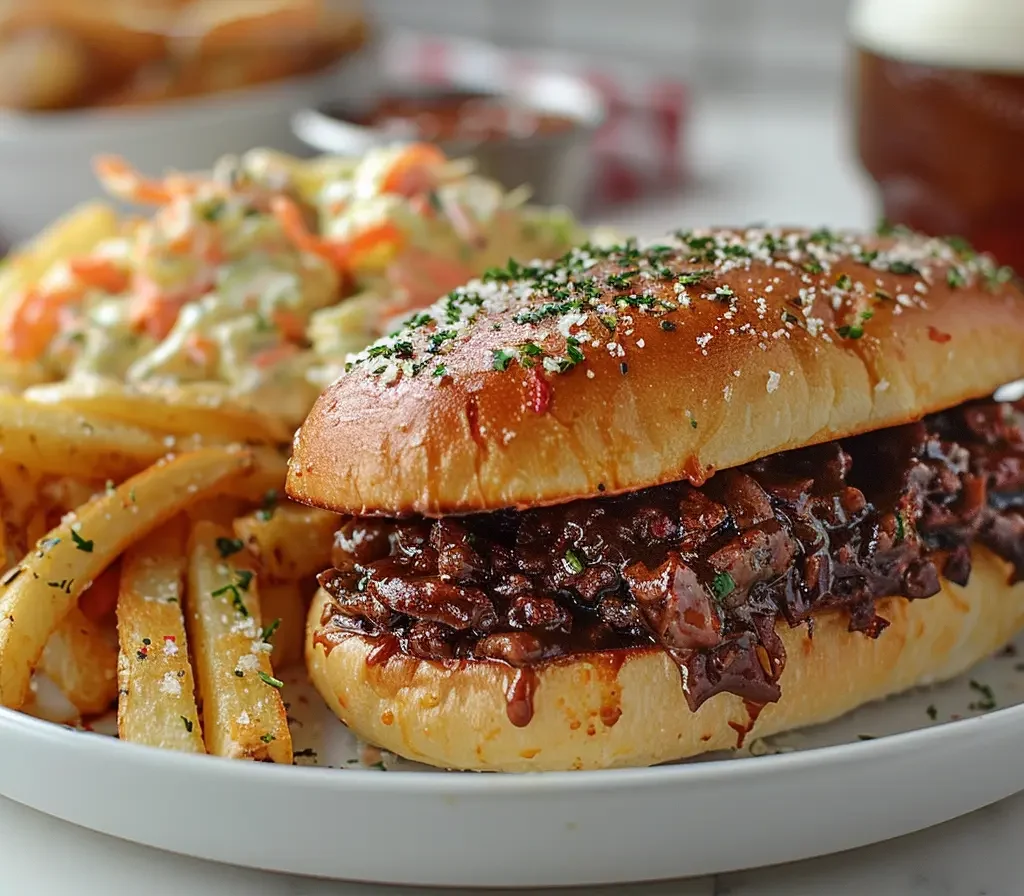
(46,157)
(537,132)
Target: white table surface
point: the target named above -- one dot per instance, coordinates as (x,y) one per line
(760,160)
(977,855)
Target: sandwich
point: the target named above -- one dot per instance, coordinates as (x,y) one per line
(648,501)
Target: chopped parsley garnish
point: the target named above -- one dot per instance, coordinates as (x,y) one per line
(987,701)
(623,368)
(812,267)
(933,713)
(692,278)
(502,359)
(903,268)
(213,210)
(229,546)
(440,370)
(573,563)
(439,338)
(844,281)
(693,423)
(723,585)
(962,248)
(268,632)
(267,738)
(417,320)
(531,350)
(955,278)
(622,280)
(667,326)
(900,528)
(266,511)
(573,351)
(109,487)
(850,331)
(243,579)
(131,496)
(269,679)
(187,723)
(998,276)
(308,752)
(82,544)
(724,292)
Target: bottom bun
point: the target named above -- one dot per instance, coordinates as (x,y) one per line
(604,711)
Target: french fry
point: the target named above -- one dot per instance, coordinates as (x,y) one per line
(264,481)
(16,376)
(76,233)
(58,440)
(80,658)
(99,600)
(156,690)
(244,715)
(39,592)
(284,606)
(181,410)
(290,541)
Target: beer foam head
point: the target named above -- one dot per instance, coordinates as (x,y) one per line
(987,35)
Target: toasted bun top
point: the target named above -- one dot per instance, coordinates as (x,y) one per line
(615,369)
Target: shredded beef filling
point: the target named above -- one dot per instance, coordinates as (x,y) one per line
(703,573)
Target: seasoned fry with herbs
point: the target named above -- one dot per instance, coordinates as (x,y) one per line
(156,702)
(242,706)
(39,592)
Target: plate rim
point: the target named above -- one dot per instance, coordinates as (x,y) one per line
(470,784)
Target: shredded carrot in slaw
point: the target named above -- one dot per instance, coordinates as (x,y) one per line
(414,170)
(290,324)
(152,311)
(344,255)
(101,273)
(35,320)
(269,357)
(123,181)
(200,350)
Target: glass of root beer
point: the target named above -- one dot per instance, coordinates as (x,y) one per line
(939,116)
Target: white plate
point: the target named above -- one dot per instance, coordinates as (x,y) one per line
(820,791)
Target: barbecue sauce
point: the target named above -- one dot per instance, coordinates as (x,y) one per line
(703,573)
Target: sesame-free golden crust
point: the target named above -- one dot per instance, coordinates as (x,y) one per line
(595,711)
(792,338)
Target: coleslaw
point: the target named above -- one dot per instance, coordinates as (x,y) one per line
(257,280)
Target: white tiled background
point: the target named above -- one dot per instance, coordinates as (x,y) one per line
(734,46)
